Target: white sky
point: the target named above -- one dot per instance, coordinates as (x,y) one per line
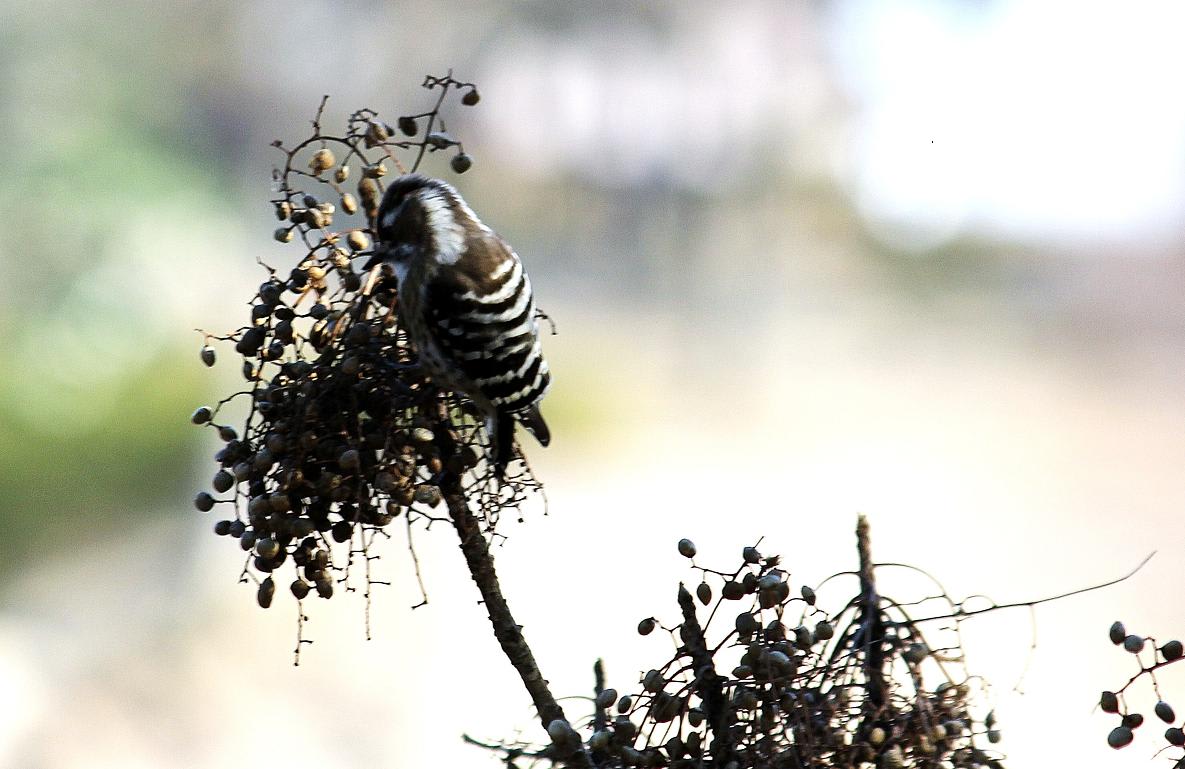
(1048,119)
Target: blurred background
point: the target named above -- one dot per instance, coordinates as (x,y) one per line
(921,260)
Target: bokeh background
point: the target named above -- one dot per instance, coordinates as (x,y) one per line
(921,260)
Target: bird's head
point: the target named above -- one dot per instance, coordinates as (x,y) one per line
(414,218)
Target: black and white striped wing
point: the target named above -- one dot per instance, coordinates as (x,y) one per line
(486,329)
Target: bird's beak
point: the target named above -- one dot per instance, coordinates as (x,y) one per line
(380,253)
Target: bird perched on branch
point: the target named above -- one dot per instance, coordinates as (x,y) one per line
(466,303)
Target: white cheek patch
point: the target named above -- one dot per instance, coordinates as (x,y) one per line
(448,234)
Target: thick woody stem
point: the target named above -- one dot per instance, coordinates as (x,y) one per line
(872,624)
(506,630)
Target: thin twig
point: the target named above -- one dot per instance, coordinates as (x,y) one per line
(962,613)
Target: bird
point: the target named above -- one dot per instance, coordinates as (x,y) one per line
(467,306)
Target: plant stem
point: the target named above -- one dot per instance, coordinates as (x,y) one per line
(873,628)
(506,630)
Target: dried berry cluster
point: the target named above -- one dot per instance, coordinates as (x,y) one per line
(785,684)
(343,434)
(1115,702)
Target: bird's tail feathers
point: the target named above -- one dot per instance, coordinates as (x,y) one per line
(532,419)
(501,425)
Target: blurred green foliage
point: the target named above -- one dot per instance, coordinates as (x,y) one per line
(86,461)
(113,166)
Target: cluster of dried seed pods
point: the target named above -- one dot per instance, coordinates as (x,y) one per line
(762,676)
(1115,701)
(338,433)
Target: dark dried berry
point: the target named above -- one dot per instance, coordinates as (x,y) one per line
(1175,736)
(916,653)
(461,162)
(1133,644)
(342,531)
(1133,720)
(408,125)
(746,624)
(471,97)
(269,292)
(250,341)
(223,481)
(733,590)
(666,707)
(646,626)
(201,415)
(1164,712)
(1117,632)
(1109,702)
(203,502)
(1119,737)
(687,548)
(267,589)
(704,593)
(208,356)
(300,588)
(751,555)
(222,528)
(267,548)
(1172,650)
